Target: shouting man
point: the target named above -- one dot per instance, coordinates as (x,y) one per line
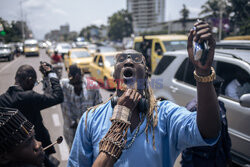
(133,129)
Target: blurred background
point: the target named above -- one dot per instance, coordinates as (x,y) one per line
(90,32)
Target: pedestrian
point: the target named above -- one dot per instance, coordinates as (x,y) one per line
(80,93)
(214,156)
(18,146)
(30,103)
(133,129)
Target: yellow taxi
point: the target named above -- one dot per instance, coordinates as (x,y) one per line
(102,69)
(31,47)
(79,56)
(156,45)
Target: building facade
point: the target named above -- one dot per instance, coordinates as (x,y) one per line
(146,13)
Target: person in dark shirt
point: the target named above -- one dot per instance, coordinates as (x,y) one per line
(29,102)
(18,147)
(214,156)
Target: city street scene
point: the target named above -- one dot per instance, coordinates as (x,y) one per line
(154,83)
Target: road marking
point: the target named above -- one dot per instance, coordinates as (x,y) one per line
(64,151)
(56,121)
(9,64)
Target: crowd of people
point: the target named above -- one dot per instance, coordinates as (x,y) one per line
(131,128)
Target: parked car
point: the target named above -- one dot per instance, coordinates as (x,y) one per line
(233,44)
(79,56)
(5,52)
(63,48)
(173,80)
(159,44)
(102,68)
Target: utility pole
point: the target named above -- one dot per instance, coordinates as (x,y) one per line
(222,7)
(22,21)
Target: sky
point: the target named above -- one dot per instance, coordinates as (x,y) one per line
(42,16)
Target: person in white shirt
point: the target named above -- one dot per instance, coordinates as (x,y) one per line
(235,88)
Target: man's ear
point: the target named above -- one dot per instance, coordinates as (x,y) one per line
(4,159)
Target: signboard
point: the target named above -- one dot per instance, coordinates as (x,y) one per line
(2,32)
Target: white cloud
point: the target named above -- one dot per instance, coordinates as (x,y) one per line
(98,22)
(194,11)
(59,11)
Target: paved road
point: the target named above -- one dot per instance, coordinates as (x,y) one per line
(52,117)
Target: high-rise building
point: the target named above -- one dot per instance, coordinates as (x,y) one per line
(146,13)
(64,29)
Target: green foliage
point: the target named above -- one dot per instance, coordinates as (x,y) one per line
(120,25)
(240,10)
(85,32)
(13,31)
(237,11)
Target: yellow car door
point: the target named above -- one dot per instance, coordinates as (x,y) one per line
(99,70)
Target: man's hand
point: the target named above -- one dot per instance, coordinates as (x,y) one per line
(45,68)
(129,99)
(201,34)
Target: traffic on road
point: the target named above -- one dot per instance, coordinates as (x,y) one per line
(137,91)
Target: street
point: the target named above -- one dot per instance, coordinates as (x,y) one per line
(52,117)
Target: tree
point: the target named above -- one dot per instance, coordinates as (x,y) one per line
(184,14)
(240,17)
(14,31)
(120,25)
(86,32)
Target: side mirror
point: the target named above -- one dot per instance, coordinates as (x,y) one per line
(100,64)
(245,100)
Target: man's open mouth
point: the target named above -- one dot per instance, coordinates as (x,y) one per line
(128,76)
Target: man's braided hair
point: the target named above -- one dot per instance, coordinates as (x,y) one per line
(151,116)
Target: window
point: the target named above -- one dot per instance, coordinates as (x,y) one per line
(185,72)
(95,59)
(138,46)
(163,64)
(175,45)
(230,73)
(158,47)
(100,59)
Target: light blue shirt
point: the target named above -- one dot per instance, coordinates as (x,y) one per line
(176,130)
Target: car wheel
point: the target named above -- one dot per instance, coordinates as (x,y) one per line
(10,58)
(106,83)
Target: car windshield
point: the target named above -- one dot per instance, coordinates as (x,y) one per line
(175,45)
(79,54)
(106,49)
(66,47)
(30,45)
(110,61)
(4,47)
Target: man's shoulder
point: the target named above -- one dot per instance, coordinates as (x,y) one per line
(98,111)
(166,104)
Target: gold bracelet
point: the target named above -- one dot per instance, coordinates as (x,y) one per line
(205,79)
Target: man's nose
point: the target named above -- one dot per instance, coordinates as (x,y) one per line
(129,62)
